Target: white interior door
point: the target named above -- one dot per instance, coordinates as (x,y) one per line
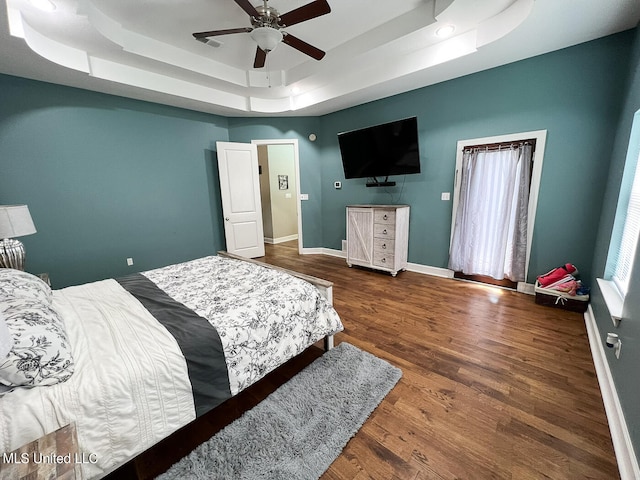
(240,191)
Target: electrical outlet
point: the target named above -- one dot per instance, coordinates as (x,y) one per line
(129,261)
(445,196)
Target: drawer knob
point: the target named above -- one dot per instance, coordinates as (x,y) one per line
(384,231)
(384,245)
(385,216)
(384,260)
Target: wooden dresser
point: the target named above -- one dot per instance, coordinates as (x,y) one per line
(378,236)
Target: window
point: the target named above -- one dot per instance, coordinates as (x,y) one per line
(629,241)
(626,228)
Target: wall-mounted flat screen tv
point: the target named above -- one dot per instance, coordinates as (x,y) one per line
(381,150)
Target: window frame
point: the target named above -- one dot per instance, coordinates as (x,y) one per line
(613,288)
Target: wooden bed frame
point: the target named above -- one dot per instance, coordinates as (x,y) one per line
(324,286)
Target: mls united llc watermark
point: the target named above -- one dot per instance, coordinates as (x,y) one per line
(38,458)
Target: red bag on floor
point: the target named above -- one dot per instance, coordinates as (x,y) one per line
(557,274)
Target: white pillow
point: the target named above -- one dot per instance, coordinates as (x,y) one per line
(41,354)
(19,284)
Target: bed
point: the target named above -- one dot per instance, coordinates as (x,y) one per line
(133,359)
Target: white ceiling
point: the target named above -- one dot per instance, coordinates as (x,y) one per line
(144,49)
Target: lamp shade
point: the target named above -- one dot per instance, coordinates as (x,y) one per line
(6,341)
(267,38)
(15,221)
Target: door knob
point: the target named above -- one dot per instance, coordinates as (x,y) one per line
(226,218)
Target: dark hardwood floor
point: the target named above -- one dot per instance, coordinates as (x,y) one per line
(493,387)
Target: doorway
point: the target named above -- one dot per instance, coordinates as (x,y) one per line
(536,137)
(279,169)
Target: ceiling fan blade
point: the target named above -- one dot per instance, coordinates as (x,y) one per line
(247,7)
(214,33)
(261,57)
(306,12)
(304,47)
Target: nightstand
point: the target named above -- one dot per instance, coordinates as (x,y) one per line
(53,456)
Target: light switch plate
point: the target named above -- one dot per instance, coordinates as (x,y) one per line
(304,196)
(445,196)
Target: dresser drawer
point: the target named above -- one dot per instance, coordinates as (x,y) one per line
(381,230)
(387,217)
(384,246)
(383,259)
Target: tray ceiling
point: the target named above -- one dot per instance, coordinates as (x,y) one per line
(144,49)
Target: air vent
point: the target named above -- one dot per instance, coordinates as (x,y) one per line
(210,41)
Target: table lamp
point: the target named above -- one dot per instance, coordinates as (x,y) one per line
(15,221)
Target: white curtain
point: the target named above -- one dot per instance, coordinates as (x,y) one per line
(490,231)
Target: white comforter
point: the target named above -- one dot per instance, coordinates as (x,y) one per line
(130,386)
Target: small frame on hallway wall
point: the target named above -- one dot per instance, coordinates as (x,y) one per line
(283,182)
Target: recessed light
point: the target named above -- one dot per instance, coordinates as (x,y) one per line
(445,31)
(44,5)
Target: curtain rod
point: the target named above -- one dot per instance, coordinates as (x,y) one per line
(501,145)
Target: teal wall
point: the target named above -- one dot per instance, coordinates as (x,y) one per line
(574,94)
(624,370)
(107,178)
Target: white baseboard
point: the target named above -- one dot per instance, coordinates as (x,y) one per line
(625,454)
(528,288)
(334,253)
(312,251)
(427,270)
(324,251)
(273,241)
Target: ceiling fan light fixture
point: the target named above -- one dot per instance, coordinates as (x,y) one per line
(267,38)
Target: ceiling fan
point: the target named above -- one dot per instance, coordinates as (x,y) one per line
(267,28)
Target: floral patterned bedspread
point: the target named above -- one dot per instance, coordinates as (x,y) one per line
(264,317)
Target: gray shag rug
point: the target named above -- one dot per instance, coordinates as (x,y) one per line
(301,428)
